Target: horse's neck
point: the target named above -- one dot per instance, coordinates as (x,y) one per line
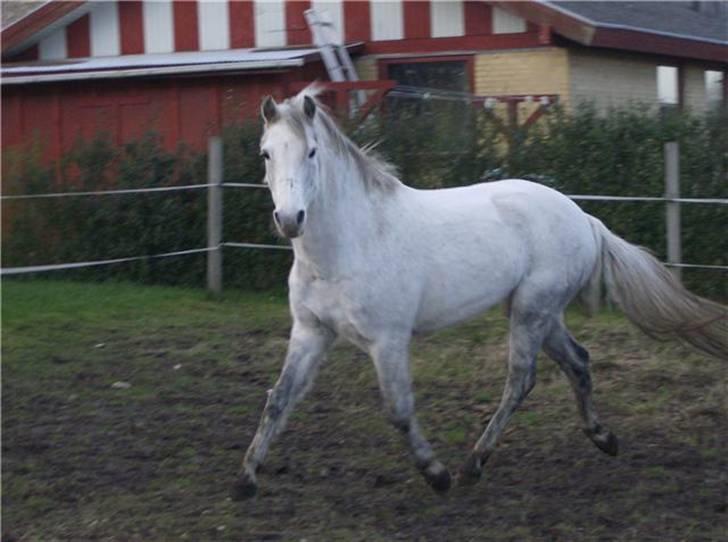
(341,220)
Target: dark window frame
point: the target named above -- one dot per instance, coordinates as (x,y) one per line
(469,60)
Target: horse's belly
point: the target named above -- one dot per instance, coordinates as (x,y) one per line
(468,286)
(447,306)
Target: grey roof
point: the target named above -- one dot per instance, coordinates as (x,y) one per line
(12,10)
(697,20)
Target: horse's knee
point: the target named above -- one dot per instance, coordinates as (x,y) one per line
(276,404)
(400,412)
(581,353)
(522,378)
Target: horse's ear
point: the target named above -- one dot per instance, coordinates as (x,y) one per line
(269,110)
(309,106)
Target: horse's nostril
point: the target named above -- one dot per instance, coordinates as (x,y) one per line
(299,217)
(275,217)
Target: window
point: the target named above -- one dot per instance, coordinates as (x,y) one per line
(668,88)
(714,81)
(505,23)
(431,100)
(419,83)
(448,75)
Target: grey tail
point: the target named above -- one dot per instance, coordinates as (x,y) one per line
(653,298)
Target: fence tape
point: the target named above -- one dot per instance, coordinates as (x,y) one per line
(58,266)
(244,185)
(719,201)
(76,265)
(697,266)
(256,245)
(107,192)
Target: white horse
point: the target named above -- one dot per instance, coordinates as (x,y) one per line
(377,261)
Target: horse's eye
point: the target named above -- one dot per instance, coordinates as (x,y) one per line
(312,153)
(265,154)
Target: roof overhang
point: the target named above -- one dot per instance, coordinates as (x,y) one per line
(599,34)
(151,65)
(39,23)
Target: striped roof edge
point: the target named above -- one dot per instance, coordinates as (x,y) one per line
(606,27)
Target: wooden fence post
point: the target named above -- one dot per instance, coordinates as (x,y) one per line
(672,208)
(214,216)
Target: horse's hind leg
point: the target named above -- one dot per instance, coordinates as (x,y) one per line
(526,336)
(391,360)
(574,362)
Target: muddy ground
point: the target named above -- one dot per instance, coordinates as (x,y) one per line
(85,459)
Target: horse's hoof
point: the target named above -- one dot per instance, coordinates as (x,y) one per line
(469,474)
(437,476)
(243,488)
(607,442)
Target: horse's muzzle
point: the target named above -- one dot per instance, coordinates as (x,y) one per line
(290,224)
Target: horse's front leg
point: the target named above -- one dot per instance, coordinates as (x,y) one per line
(391,359)
(307,346)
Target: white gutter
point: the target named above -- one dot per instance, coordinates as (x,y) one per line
(142,72)
(612,26)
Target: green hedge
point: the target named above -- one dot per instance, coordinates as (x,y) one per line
(435,144)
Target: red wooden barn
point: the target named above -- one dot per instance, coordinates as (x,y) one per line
(187,68)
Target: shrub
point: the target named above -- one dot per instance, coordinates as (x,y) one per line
(440,144)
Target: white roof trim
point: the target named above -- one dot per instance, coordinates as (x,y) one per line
(146,72)
(157,64)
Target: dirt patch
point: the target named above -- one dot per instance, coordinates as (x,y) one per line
(85,461)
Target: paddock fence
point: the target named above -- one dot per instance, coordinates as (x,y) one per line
(216,244)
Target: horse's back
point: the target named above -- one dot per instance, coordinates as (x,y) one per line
(525,212)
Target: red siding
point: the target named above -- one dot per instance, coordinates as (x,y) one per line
(297,31)
(131,27)
(185,26)
(242,29)
(461,43)
(358,21)
(478,18)
(12,120)
(184,110)
(416,19)
(78,37)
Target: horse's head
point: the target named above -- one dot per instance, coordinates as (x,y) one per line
(291,162)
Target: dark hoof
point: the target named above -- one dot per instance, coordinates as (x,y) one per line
(438,477)
(606,442)
(470,472)
(243,488)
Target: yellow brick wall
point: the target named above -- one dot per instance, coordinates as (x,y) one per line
(606,78)
(611,79)
(694,95)
(531,71)
(366,68)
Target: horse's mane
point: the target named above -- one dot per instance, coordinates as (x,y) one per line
(375,172)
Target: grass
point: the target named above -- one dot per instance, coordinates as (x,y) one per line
(84,460)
